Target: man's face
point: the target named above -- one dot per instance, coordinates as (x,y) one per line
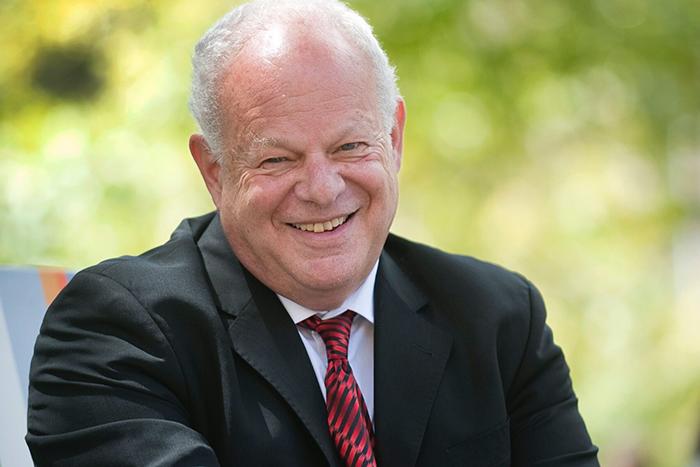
(309,188)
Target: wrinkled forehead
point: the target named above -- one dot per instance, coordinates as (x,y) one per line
(286,59)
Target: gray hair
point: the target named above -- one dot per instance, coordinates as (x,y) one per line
(219,46)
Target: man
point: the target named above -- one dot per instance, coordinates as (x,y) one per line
(232,344)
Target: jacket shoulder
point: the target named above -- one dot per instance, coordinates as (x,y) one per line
(169,270)
(437,271)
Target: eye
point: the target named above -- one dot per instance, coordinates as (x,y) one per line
(274,160)
(351,146)
(275,163)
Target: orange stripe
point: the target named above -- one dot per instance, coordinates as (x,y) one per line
(52,281)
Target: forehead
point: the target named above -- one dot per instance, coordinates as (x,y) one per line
(283,70)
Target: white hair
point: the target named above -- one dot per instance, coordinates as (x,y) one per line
(219,46)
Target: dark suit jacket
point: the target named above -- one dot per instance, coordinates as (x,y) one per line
(181,357)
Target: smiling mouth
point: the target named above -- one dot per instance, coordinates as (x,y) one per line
(325,226)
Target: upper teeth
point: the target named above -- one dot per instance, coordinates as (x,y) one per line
(322,226)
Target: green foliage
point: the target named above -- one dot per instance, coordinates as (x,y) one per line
(559,138)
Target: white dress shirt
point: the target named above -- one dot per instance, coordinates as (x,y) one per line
(361,345)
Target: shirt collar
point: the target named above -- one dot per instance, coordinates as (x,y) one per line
(361,301)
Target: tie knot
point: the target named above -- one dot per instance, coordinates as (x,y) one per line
(335,333)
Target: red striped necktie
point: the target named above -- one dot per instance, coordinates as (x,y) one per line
(348,420)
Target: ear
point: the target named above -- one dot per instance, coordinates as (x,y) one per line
(208,166)
(397,131)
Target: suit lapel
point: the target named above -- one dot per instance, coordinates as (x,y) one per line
(410,357)
(264,336)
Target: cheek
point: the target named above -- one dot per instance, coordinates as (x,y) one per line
(378,178)
(257,198)
(237,195)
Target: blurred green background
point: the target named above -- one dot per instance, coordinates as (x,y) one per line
(558,138)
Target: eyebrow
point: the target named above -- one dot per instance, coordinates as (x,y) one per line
(259,142)
(263,142)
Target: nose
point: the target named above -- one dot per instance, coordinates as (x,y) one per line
(321,181)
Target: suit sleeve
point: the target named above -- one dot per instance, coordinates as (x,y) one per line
(546,427)
(106,387)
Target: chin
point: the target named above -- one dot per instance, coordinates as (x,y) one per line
(326,282)
(332,279)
